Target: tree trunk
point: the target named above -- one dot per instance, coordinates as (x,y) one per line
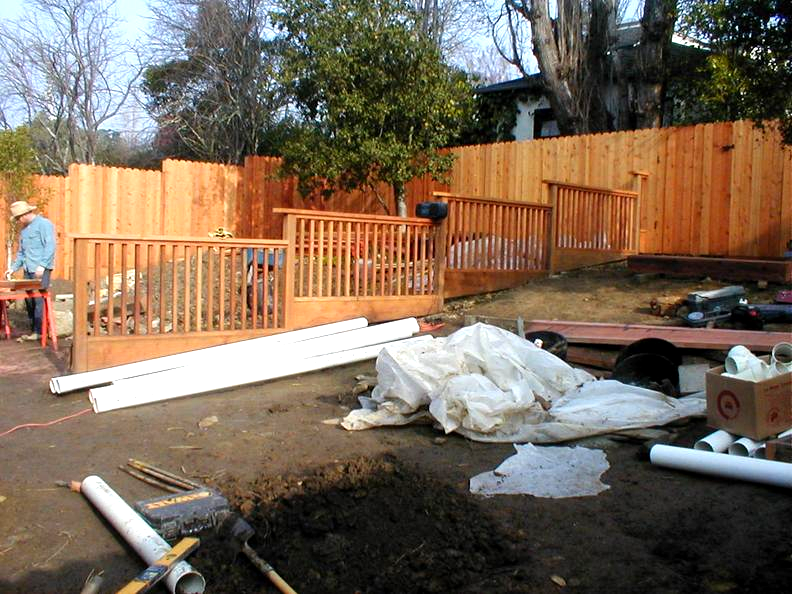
(560,94)
(657,24)
(401,201)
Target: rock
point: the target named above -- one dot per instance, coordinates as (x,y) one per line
(64,323)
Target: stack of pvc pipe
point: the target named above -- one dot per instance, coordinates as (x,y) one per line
(743,364)
(247,366)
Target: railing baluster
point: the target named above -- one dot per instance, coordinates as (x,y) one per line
(266,298)
(174,287)
(97,257)
(320,262)
(111,288)
(232,288)
(255,292)
(301,258)
(347,259)
(124,288)
(210,284)
(221,270)
(161,291)
(199,288)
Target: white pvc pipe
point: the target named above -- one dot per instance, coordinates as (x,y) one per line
(88,379)
(766,472)
(715,442)
(739,359)
(182,579)
(744,446)
(186,382)
(761,451)
(781,358)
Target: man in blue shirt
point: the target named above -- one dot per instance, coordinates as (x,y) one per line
(36,256)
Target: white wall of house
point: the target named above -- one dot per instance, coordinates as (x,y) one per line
(524,128)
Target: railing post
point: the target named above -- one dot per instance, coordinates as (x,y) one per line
(290,235)
(79,351)
(639,186)
(441,231)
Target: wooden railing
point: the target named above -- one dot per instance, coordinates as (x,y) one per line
(591,224)
(493,244)
(191,292)
(353,264)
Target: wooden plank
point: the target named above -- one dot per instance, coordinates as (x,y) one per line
(572,258)
(731,269)
(459,283)
(107,351)
(311,312)
(681,337)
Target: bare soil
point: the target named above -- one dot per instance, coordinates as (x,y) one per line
(385,510)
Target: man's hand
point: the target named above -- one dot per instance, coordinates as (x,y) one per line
(39,271)
(8,274)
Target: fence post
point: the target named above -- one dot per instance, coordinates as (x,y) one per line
(290,235)
(552,191)
(79,351)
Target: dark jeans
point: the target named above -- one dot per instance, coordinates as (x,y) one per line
(35,306)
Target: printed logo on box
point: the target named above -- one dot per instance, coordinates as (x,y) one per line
(773,416)
(728,405)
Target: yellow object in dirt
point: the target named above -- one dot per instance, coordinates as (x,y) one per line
(156,572)
(221,233)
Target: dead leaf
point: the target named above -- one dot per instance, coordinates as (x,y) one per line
(558,580)
(3,498)
(207,422)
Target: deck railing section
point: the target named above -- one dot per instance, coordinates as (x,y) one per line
(487,235)
(138,288)
(590,218)
(340,255)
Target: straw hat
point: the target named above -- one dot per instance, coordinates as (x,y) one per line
(20,208)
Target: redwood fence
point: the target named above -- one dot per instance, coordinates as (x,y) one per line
(714,189)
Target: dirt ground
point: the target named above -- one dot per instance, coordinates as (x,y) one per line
(386,510)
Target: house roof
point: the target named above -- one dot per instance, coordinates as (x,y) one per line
(530,83)
(629,36)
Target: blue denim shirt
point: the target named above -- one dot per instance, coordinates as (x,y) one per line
(36,246)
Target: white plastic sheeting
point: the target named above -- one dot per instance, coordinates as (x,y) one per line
(545,472)
(488,384)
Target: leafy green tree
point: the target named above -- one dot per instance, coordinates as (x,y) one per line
(376,99)
(17,165)
(749,71)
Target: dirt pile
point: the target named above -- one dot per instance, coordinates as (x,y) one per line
(366,525)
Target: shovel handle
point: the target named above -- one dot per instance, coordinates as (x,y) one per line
(267,570)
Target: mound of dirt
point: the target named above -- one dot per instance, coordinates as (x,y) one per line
(365,525)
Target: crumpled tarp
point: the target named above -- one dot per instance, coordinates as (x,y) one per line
(489,385)
(549,471)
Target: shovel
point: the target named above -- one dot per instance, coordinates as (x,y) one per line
(238,532)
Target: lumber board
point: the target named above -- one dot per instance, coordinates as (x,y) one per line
(682,337)
(731,269)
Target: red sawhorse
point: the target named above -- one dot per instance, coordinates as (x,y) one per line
(47,319)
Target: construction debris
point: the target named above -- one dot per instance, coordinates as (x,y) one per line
(489,385)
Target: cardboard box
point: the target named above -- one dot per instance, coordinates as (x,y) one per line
(751,409)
